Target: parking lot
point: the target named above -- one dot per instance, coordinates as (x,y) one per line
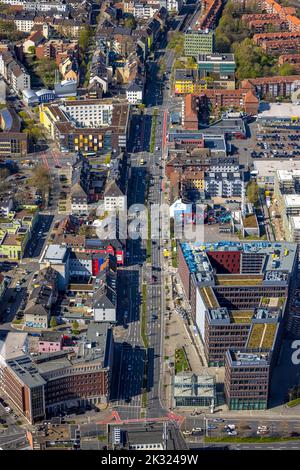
(277,143)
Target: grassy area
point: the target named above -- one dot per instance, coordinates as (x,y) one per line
(209,297)
(256,335)
(144,316)
(102,438)
(269,336)
(153,130)
(254,439)
(293,403)
(237,316)
(148,246)
(174,253)
(176,42)
(181,362)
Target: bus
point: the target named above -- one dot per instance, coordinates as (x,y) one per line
(142,161)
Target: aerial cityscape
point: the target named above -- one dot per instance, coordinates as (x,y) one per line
(150,226)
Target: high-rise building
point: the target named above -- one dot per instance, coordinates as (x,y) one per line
(198,42)
(239,293)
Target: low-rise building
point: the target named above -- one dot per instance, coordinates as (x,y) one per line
(193,390)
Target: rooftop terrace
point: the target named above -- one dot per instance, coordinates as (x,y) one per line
(209,297)
(241,316)
(262,335)
(238,279)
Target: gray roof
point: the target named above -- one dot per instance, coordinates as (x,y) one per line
(113,190)
(26,371)
(104,297)
(134,87)
(55,253)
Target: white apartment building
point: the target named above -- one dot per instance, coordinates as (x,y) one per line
(142,10)
(38,5)
(20,79)
(134,93)
(14,73)
(24,23)
(174,5)
(114,199)
(89,113)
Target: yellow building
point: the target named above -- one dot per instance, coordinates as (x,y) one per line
(48,117)
(186,82)
(15,232)
(12,246)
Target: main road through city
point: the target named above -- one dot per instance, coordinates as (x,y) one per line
(146,178)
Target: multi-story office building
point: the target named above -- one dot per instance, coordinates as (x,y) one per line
(247,379)
(47,383)
(238,294)
(198,42)
(217,69)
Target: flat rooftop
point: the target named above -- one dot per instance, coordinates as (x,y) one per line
(291,200)
(191,385)
(218,58)
(262,335)
(55,253)
(285,111)
(270,167)
(244,358)
(283,253)
(13,344)
(26,371)
(295,222)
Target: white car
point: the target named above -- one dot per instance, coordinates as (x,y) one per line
(230,427)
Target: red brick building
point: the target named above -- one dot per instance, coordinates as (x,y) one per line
(214,101)
(293,59)
(272,86)
(51,49)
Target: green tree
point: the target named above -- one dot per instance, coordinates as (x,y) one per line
(84,38)
(75,327)
(287,69)
(31,50)
(253,192)
(53,322)
(41,179)
(130,22)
